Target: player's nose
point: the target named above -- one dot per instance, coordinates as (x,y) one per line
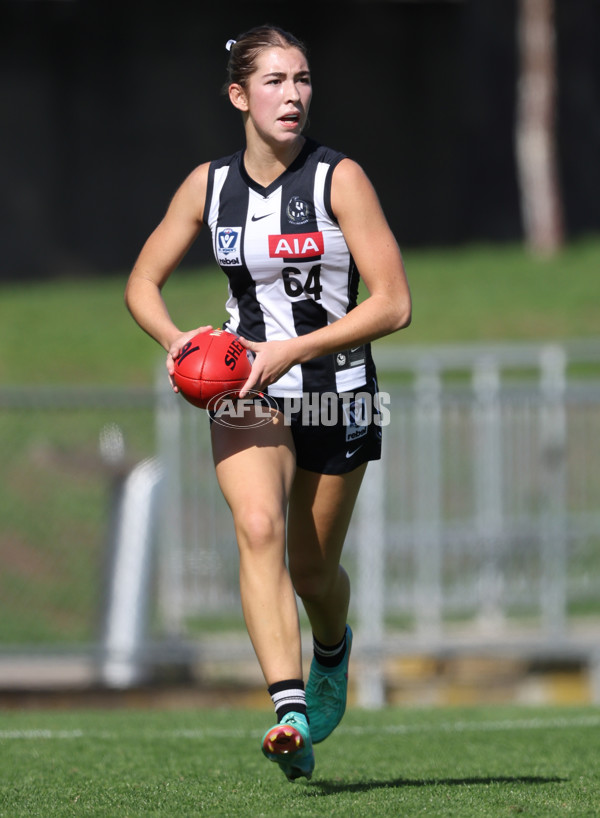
(292,93)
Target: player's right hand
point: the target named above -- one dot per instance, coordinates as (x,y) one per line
(174,350)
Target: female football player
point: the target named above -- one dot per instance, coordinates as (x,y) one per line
(293,223)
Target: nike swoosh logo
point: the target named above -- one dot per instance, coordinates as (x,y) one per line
(258,218)
(349,454)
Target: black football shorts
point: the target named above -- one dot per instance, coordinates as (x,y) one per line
(334,433)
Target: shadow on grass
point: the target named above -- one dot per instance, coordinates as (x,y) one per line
(332,787)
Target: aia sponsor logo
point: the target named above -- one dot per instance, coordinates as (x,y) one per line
(296,245)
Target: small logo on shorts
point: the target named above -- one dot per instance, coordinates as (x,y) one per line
(353,452)
(358,414)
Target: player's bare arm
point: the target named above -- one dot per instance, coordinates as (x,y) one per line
(379,262)
(160,255)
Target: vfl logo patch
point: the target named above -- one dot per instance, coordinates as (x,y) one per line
(356,419)
(296,245)
(228,250)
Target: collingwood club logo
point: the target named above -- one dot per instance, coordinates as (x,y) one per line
(297,211)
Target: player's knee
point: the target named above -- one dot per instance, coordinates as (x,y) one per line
(258,530)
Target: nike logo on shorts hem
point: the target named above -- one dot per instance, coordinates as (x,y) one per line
(350,453)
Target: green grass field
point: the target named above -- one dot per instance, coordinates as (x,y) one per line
(484,762)
(78,331)
(446,762)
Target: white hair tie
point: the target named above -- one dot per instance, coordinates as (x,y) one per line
(229,44)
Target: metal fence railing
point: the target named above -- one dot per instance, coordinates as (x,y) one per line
(484,513)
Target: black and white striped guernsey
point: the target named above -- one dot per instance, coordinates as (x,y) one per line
(289,268)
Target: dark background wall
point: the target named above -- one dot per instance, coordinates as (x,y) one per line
(106,106)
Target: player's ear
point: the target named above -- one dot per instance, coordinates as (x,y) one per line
(238,96)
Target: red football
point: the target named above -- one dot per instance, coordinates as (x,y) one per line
(213,363)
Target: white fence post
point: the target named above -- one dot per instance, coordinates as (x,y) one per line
(553,442)
(171,590)
(123,663)
(428,514)
(370,528)
(488,488)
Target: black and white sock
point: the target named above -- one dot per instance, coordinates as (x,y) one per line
(329,655)
(288,697)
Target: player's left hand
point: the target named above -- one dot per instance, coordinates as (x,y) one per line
(272,359)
